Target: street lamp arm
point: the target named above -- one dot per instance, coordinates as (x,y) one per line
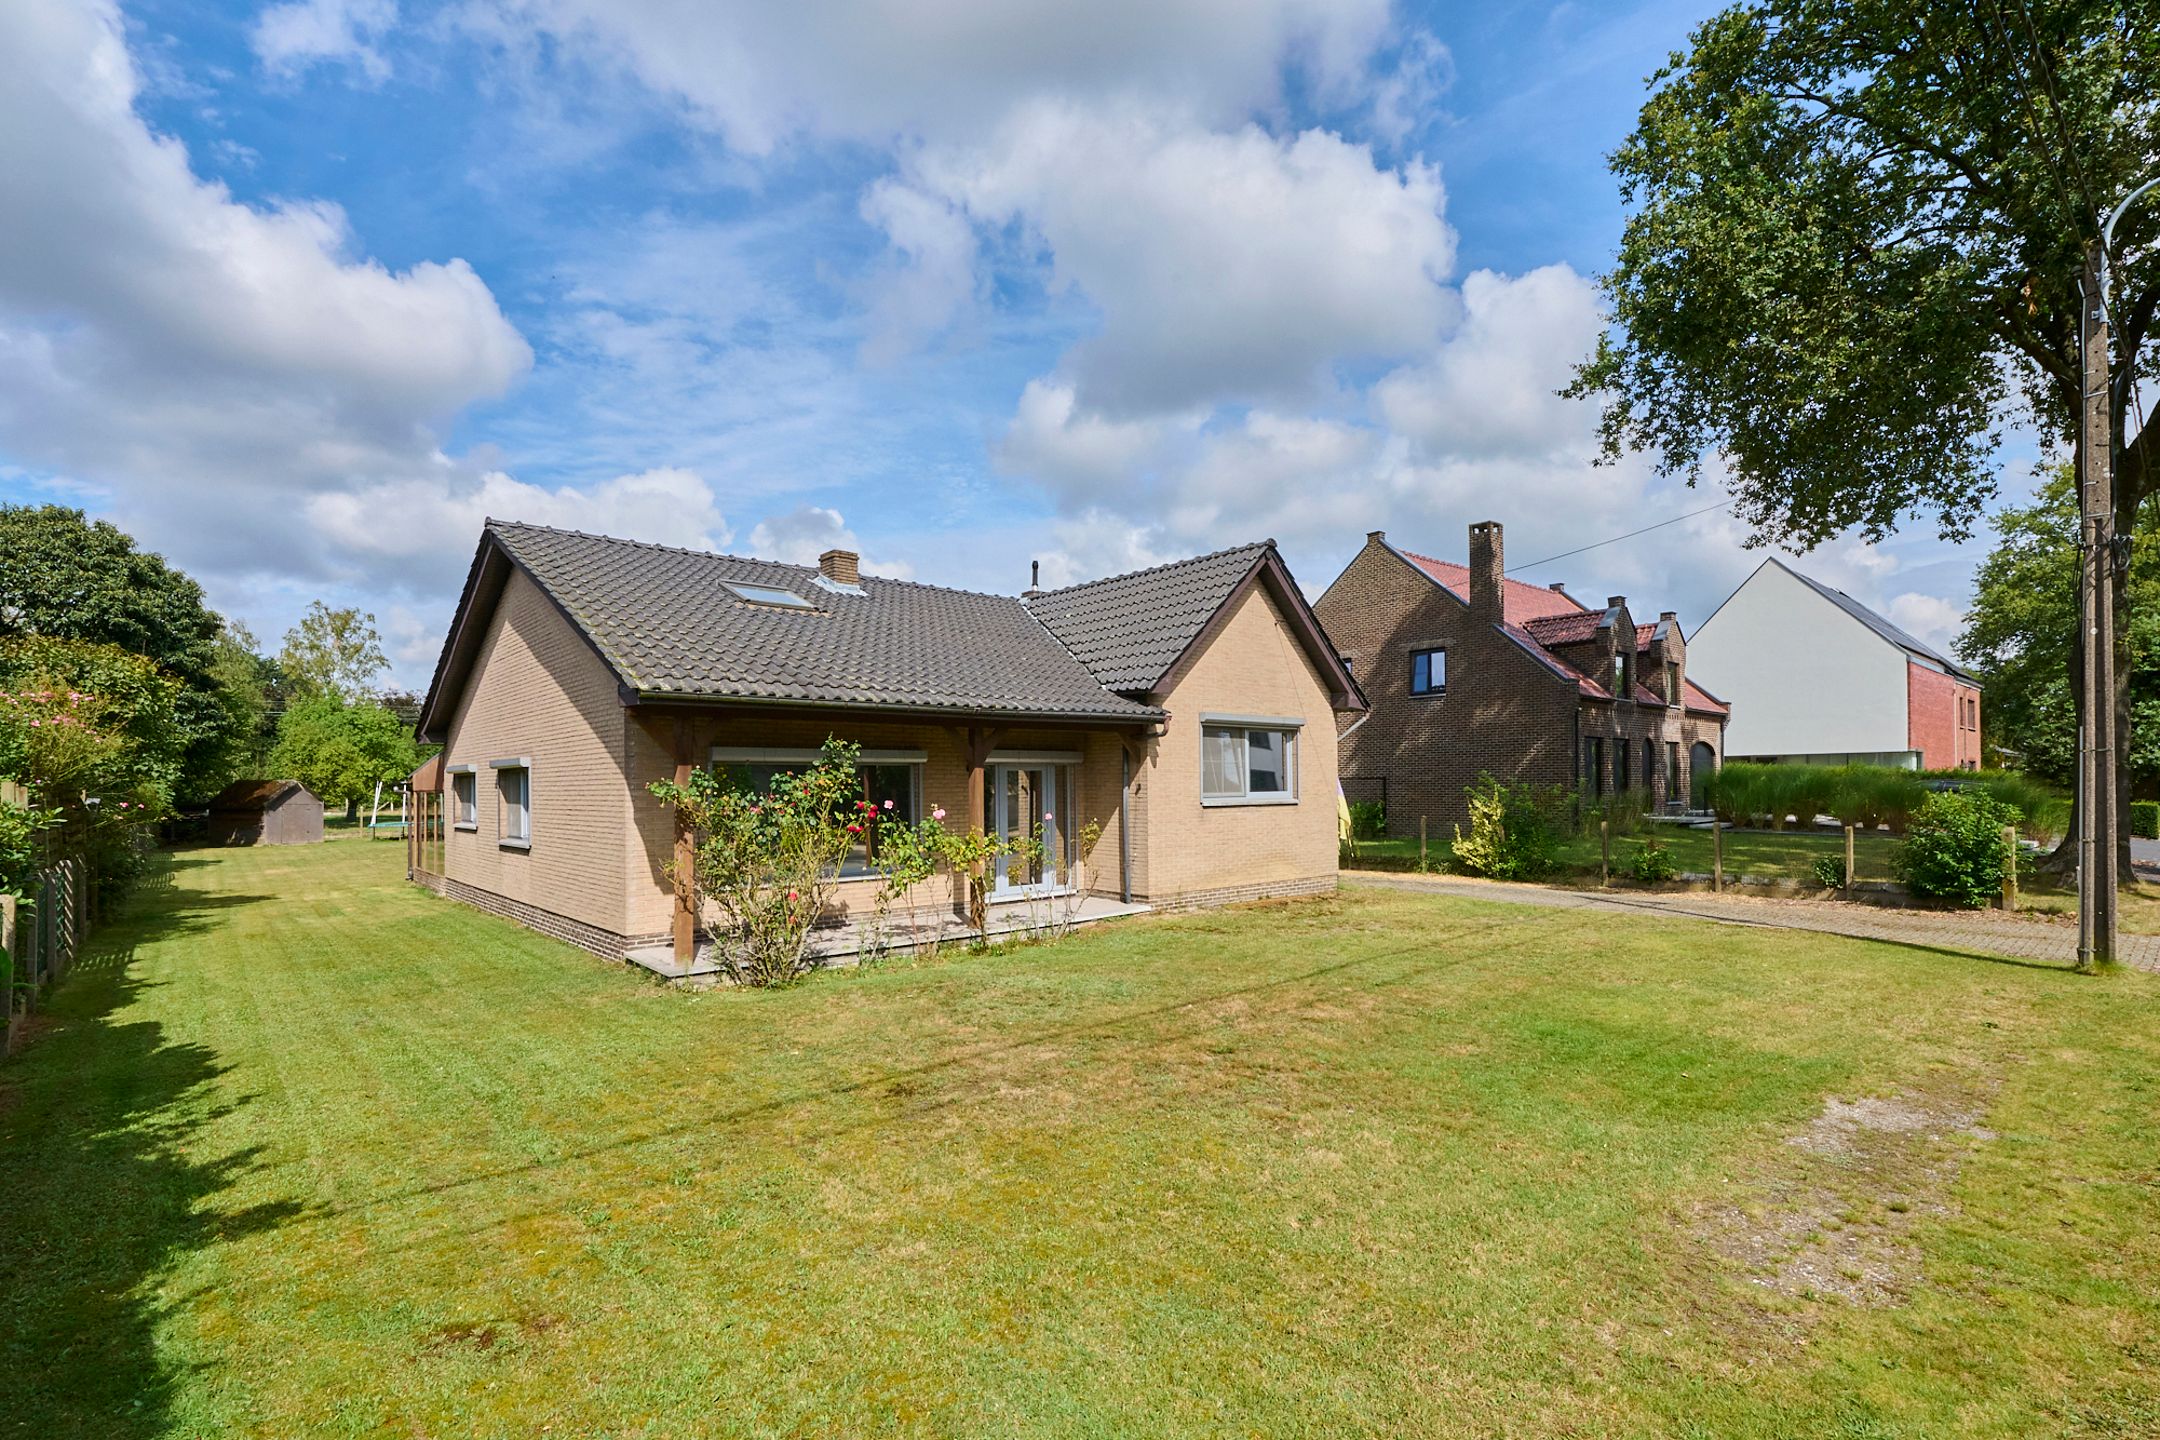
(2107,237)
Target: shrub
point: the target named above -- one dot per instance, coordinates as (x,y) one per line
(1515,830)
(1368,820)
(1650,862)
(1622,811)
(1955,849)
(767,859)
(1830,871)
(2145,819)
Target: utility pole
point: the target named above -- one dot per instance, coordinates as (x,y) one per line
(2097,822)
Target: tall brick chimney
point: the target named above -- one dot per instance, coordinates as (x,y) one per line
(1487,565)
(842,567)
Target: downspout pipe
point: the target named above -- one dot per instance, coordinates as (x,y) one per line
(1124,825)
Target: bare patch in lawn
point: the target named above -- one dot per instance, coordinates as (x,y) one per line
(1833,1215)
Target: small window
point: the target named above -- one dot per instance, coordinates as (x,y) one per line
(1247,765)
(465,799)
(1672,682)
(1428,672)
(1594,765)
(768,595)
(1622,783)
(513,789)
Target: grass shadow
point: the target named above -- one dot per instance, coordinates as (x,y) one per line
(102,1193)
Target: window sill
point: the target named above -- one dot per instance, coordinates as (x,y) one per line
(1428,694)
(465,826)
(514,844)
(1214,802)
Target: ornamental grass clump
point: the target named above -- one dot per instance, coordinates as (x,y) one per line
(1955,849)
(768,860)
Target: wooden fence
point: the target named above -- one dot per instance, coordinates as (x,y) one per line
(41,933)
(42,939)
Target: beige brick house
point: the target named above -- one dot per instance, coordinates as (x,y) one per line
(1469,672)
(1189,710)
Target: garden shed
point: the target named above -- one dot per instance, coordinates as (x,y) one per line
(266,812)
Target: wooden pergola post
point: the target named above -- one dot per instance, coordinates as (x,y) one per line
(979,742)
(686,916)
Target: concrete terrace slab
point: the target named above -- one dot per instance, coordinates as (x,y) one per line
(842,944)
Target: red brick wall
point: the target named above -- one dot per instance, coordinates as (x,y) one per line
(1942,719)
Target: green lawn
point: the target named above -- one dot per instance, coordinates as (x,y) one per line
(1757,854)
(308,1152)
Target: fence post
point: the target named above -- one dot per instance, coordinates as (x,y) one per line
(1421,844)
(1604,835)
(1717,854)
(1848,857)
(2010,859)
(7,946)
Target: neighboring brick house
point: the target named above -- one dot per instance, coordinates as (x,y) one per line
(1468,673)
(1856,690)
(1190,710)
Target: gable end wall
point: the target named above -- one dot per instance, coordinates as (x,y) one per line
(537,690)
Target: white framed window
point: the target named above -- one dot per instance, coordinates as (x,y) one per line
(1248,760)
(513,803)
(464,797)
(1428,672)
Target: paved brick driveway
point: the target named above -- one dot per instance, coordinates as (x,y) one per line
(1979,932)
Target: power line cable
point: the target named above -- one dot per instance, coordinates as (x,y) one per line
(1721,505)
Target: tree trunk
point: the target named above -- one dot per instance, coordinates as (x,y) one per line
(352,810)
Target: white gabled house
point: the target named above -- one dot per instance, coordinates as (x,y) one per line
(1815,677)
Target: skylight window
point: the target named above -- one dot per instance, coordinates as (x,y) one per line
(768,595)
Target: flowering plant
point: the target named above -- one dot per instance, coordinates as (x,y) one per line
(767,859)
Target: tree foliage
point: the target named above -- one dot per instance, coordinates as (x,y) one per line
(66,577)
(94,732)
(333,651)
(1857,235)
(341,751)
(2021,634)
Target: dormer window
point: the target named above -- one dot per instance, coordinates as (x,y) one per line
(768,595)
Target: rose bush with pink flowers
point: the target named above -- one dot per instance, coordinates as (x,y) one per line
(767,860)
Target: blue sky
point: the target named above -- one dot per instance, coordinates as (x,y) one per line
(318,284)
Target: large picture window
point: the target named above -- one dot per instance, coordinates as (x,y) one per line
(1248,763)
(891,782)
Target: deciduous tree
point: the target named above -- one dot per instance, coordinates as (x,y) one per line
(333,651)
(1855,248)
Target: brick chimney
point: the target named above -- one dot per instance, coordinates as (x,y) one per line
(1487,565)
(842,567)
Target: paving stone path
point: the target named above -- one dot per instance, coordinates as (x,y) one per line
(1978,932)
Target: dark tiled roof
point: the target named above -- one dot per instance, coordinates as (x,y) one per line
(1525,602)
(1912,644)
(664,619)
(1130,629)
(245,796)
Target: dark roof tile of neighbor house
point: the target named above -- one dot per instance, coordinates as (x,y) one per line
(667,622)
(1130,629)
